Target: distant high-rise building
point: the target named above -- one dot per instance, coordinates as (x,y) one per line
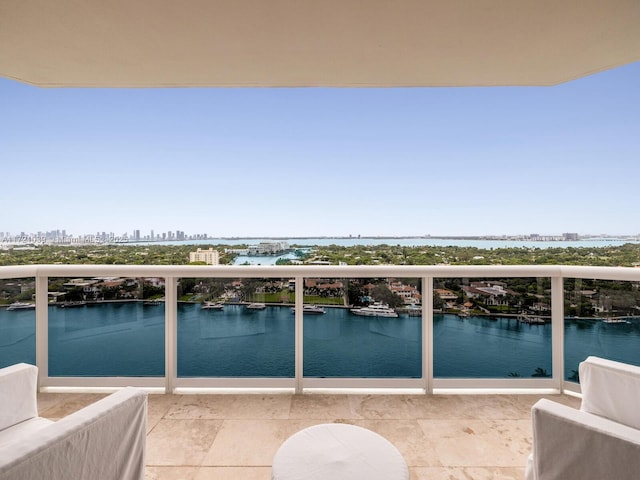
(570,236)
(210,256)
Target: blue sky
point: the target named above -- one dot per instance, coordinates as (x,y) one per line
(307,162)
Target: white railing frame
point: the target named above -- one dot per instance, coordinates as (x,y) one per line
(171,382)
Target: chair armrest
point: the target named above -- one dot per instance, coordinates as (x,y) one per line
(611,390)
(18,394)
(571,444)
(105,440)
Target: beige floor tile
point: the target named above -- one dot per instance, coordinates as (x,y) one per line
(69,403)
(408,437)
(181,442)
(234,473)
(170,473)
(320,406)
(440,406)
(260,407)
(525,402)
(484,407)
(230,407)
(466,473)
(47,401)
(503,443)
(210,407)
(246,443)
(158,406)
(294,426)
(375,407)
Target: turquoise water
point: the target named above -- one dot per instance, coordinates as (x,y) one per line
(127,339)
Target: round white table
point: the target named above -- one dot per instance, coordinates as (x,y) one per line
(336,451)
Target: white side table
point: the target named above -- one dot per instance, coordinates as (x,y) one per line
(336,451)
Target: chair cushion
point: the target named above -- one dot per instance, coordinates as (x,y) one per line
(611,390)
(18,394)
(570,444)
(23,429)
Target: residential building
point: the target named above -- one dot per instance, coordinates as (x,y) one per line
(409,294)
(268,248)
(445,294)
(210,256)
(491,293)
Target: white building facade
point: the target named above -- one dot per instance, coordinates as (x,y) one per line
(210,256)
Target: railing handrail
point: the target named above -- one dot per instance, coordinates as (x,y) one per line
(427,273)
(356,271)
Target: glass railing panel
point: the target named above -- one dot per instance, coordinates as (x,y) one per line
(492,328)
(602,318)
(17,321)
(239,327)
(106,327)
(368,328)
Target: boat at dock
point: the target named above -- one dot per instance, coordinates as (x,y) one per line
(615,321)
(152,303)
(311,310)
(21,306)
(531,319)
(74,304)
(414,310)
(212,306)
(376,309)
(256,306)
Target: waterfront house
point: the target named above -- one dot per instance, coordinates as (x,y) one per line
(445,294)
(487,293)
(408,293)
(334,43)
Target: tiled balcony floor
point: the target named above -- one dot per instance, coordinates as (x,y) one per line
(216,437)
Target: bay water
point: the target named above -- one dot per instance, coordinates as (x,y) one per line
(127,339)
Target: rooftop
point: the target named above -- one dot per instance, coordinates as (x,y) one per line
(196,437)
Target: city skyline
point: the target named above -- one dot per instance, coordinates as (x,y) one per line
(62,237)
(319,162)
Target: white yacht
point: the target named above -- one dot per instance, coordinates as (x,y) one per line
(21,306)
(376,309)
(256,306)
(212,306)
(311,309)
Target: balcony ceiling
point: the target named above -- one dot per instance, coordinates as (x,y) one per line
(167,43)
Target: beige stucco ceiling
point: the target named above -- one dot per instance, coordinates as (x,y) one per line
(156,43)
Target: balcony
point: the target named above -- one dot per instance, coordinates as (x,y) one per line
(195,437)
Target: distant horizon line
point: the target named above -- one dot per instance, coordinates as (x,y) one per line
(126,237)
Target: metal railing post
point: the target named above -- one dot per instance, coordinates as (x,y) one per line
(299,336)
(42,328)
(557,331)
(171,333)
(427,334)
